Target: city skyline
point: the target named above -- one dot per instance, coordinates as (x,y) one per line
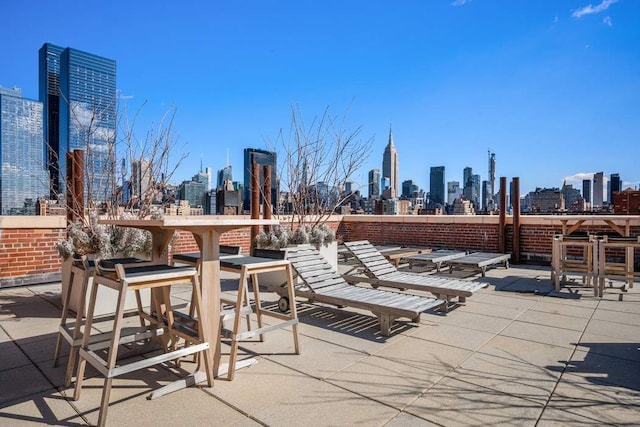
(550,88)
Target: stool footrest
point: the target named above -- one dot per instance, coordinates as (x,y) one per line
(101,365)
(249,334)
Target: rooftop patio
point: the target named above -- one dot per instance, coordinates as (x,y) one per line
(517,353)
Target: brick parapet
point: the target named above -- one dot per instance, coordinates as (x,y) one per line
(28,254)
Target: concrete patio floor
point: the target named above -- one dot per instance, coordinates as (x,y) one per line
(517,353)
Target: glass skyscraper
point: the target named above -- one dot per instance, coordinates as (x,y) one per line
(23,177)
(79,89)
(49,92)
(374,183)
(436,185)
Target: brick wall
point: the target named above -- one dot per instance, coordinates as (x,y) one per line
(438,235)
(28,249)
(28,254)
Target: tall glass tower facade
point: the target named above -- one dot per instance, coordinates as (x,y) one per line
(374,183)
(49,92)
(23,174)
(436,185)
(86,110)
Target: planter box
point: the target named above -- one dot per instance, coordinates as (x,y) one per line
(106,299)
(277,278)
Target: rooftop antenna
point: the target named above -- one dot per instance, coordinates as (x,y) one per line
(200,162)
(227,156)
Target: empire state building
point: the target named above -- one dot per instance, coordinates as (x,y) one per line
(390,169)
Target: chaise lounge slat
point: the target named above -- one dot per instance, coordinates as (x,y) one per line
(322,283)
(380,272)
(480,261)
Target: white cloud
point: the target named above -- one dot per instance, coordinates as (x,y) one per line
(591,9)
(459,2)
(579,176)
(607,21)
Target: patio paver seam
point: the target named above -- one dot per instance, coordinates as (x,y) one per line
(566,364)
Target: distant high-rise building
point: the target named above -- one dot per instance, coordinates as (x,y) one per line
(615,185)
(141,177)
(409,189)
(486,195)
(224,175)
(390,166)
(374,183)
(491,184)
(545,200)
(49,93)
(453,191)
(23,172)
(436,185)
(467,183)
(571,195)
(79,89)
(598,188)
(263,158)
(586,190)
(195,192)
(475,196)
(349,187)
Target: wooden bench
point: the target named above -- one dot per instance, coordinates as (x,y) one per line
(321,282)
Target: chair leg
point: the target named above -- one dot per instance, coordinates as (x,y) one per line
(173,339)
(233,353)
(208,365)
(113,354)
(292,307)
(104,402)
(157,304)
(78,330)
(256,295)
(63,318)
(82,363)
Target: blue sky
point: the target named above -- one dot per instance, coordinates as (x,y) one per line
(552,87)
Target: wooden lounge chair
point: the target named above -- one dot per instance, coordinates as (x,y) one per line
(480,261)
(435,258)
(321,282)
(378,271)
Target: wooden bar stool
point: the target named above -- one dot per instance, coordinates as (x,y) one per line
(226,251)
(252,270)
(72,333)
(158,278)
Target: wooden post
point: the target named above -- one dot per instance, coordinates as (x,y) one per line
(255,202)
(266,211)
(515,202)
(70,192)
(503,215)
(75,185)
(78,182)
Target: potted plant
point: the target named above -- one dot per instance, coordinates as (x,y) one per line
(96,196)
(317,160)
